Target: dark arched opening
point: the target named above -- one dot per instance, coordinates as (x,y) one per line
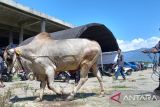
(102,35)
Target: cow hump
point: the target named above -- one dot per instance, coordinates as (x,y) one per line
(43,35)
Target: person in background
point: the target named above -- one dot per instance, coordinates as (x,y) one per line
(120,63)
(155,49)
(77,77)
(1,71)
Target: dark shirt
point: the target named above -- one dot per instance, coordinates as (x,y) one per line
(1,65)
(120,60)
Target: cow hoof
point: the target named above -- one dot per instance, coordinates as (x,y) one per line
(58,94)
(65,93)
(38,99)
(102,94)
(70,98)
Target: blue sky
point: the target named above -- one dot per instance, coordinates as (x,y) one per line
(131,21)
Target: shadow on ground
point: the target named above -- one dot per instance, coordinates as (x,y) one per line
(52,97)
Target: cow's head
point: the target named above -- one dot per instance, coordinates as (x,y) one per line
(10,57)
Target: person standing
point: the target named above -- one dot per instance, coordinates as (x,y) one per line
(1,71)
(155,49)
(120,64)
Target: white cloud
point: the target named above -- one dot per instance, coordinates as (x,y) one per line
(138,43)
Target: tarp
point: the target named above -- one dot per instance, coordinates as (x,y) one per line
(93,31)
(109,57)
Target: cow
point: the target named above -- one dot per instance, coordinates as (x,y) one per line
(46,57)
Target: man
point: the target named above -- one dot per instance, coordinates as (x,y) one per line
(120,63)
(1,71)
(155,49)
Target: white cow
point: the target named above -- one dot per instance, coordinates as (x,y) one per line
(46,57)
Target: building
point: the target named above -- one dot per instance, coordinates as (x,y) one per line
(18,22)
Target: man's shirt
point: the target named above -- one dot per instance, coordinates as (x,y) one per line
(120,60)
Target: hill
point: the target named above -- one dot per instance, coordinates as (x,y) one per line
(137,55)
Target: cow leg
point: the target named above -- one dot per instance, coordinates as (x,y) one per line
(97,73)
(50,80)
(42,87)
(83,78)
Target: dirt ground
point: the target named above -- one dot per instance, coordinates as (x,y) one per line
(136,91)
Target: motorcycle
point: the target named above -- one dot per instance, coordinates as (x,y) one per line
(23,75)
(6,76)
(64,76)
